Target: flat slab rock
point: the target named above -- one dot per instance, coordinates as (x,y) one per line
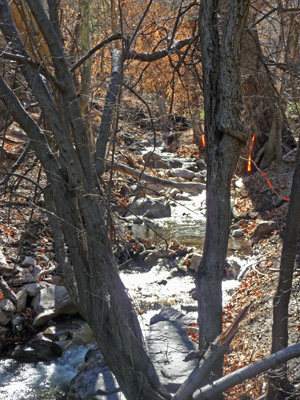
(168,344)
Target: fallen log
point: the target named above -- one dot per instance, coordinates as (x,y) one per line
(184,186)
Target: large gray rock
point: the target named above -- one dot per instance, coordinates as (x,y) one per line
(150,208)
(51,302)
(168,345)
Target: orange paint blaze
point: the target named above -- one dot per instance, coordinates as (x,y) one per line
(269,183)
(249,158)
(203,140)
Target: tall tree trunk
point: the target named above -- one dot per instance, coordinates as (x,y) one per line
(85,47)
(279,387)
(225,138)
(77,200)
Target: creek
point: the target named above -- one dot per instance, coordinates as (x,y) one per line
(150,290)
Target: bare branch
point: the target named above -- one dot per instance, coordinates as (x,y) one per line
(99,46)
(189,187)
(157,55)
(248,372)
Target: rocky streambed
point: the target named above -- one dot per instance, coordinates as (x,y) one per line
(160,280)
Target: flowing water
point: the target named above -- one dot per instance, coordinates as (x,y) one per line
(41,380)
(151,290)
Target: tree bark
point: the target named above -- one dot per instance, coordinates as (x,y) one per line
(79,206)
(225,137)
(278,382)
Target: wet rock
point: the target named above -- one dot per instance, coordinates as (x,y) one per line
(182,173)
(263,229)
(51,302)
(95,382)
(167,344)
(82,334)
(171,315)
(55,334)
(150,208)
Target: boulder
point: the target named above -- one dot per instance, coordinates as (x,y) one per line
(171,315)
(263,229)
(95,382)
(182,173)
(167,343)
(28,261)
(51,302)
(150,208)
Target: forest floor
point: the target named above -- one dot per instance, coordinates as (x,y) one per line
(255,197)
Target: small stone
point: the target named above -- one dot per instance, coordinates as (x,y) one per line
(182,173)
(173,192)
(195,261)
(237,233)
(17,322)
(28,261)
(32,289)
(7,307)
(21,300)
(156,254)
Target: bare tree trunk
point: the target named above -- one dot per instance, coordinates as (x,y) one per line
(278,382)
(85,48)
(81,221)
(225,137)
